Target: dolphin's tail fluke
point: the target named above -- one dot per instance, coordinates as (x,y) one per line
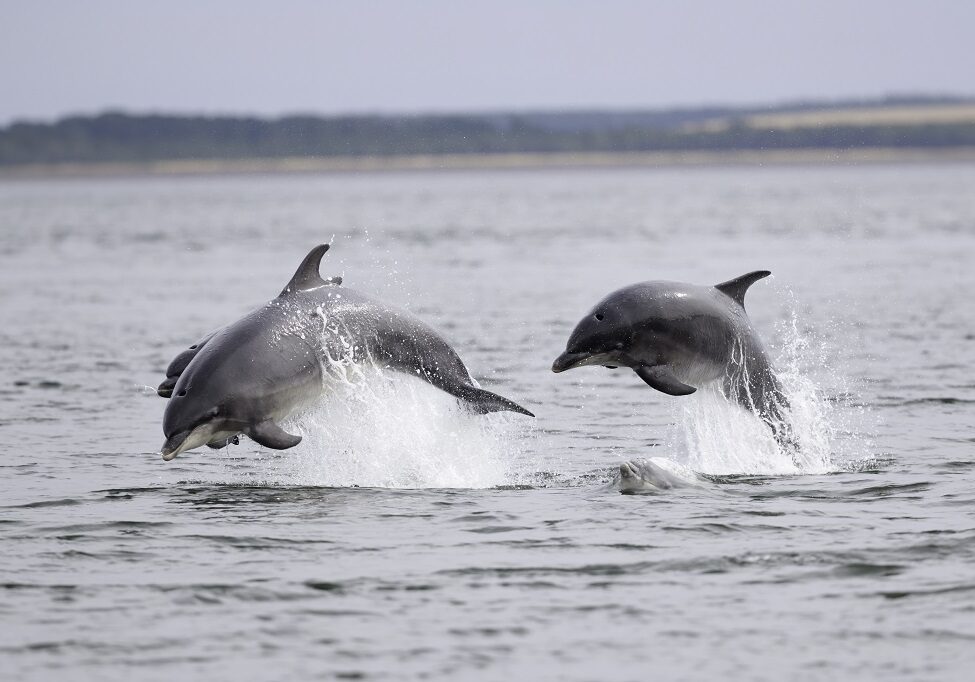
(482,401)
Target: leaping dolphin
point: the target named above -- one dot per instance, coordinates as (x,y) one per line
(677,337)
(248,376)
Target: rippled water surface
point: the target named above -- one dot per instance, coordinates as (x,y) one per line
(406,539)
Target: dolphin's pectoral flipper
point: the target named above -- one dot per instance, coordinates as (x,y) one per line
(179,363)
(736,288)
(662,378)
(270,435)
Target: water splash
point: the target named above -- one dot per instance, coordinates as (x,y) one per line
(713,435)
(832,424)
(376,428)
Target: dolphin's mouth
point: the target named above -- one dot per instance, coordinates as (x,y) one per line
(572,360)
(175,444)
(215,433)
(568,360)
(187,440)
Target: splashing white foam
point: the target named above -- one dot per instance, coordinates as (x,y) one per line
(376,428)
(714,435)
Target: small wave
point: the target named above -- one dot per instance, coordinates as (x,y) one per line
(934,592)
(890,490)
(66,502)
(870,464)
(944,400)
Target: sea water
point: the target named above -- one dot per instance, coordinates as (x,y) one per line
(405,537)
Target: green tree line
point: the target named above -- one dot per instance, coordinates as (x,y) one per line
(120,137)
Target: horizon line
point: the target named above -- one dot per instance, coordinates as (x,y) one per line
(903,98)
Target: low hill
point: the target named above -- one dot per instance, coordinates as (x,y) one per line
(116,137)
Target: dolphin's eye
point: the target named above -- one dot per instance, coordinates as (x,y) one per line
(181,393)
(600,316)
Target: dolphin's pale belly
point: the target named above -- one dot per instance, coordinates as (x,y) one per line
(697,369)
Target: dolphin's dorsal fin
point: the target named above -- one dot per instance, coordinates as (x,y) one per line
(735,288)
(307,277)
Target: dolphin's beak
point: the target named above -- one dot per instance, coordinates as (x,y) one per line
(568,360)
(174,445)
(186,440)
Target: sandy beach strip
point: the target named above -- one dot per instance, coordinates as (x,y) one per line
(517,161)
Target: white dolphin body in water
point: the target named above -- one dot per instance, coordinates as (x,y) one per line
(652,475)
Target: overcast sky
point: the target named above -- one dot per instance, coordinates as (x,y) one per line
(70,56)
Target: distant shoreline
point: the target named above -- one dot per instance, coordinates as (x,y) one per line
(502,161)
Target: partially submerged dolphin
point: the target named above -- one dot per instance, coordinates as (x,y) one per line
(639,476)
(677,337)
(248,376)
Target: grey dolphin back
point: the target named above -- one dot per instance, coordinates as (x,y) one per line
(307,276)
(735,288)
(415,343)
